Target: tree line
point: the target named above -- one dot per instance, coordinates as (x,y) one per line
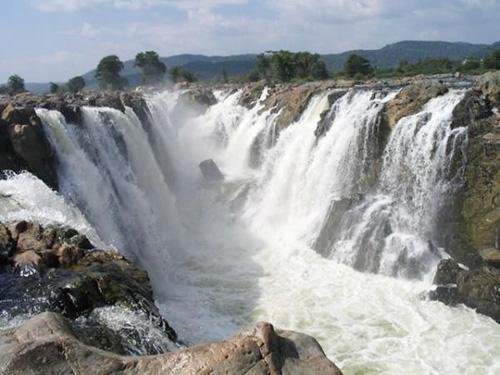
(108,75)
(272,66)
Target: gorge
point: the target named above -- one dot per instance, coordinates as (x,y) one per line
(337,203)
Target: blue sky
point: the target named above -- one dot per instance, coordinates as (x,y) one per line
(53,40)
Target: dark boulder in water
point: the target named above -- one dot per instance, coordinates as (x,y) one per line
(210,171)
(478,288)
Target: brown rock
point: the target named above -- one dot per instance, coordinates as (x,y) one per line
(69,255)
(410,100)
(491,256)
(47,344)
(28,258)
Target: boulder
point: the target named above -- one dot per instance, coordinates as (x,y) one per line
(410,100)
(478,288)
(489,85)
(210,171)
(48,344)
(56,268)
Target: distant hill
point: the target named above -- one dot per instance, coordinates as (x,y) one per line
(211,67)
(390,55)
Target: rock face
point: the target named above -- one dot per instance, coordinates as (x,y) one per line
(23,145)
(47,344)
(410,100)
(477,226)
(478,288)
(57,269)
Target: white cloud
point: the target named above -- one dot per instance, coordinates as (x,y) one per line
(76,5)
(89,31)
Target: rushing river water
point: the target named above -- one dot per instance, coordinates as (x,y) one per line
(334,235)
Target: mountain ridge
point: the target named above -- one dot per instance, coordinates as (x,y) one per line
(210,67)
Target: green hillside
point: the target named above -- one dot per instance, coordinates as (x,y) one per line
(210,67)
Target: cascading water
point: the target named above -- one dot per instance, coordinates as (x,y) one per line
(217,265)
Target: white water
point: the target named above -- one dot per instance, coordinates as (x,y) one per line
(217,266)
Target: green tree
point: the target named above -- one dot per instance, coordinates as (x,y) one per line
(76,84)
(178,74)
(108,73)
(263,67)
(15,84)
(492,61)
(283,66)
(152,68)
(470,64)
(54,88)
(357,64)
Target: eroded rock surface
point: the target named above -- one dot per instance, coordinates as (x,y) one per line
(57,269)
(47,344)
(411,99)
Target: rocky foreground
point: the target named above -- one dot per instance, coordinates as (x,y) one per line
(55,275)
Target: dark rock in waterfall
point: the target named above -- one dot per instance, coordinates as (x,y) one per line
(210,171)
(328,116)
(56,269)
(251,93)
(447,272)
(198,98)
(478,288)
(473,107)
(48,344)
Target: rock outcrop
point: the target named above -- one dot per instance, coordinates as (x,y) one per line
(478,288)
(47,344)
(411,99)
(57,269)
(23,144)
(477,213)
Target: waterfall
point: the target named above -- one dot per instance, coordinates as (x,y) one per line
(107,168)
(335,235)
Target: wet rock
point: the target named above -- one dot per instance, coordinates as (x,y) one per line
(47,343)
(328,116)
(46,269)
(290,102)
(210,171)
(251,93)
(478,288)
(447,272)
(199,98)
(473,107)
(410,100)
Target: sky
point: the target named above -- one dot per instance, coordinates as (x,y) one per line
(53,40)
